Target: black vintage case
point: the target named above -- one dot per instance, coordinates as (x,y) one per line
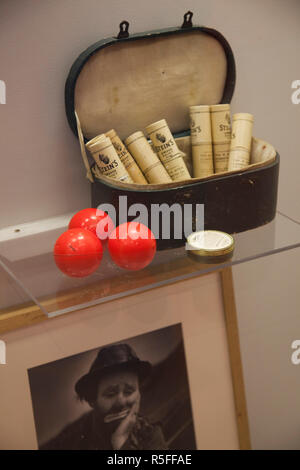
(233,202)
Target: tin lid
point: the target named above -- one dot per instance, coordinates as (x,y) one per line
(111,133)
(208,243)
(215,108)
(133,137)
(90,144)
(242,117)
(199,109)
(155,126)
(100,144)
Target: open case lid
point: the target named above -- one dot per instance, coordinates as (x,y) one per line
(130,81)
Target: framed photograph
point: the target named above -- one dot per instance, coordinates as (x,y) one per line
(117,399)
(156,370)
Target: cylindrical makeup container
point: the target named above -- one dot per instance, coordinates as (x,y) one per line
(239,157)
(125,157)
(108,160)
(167,150)
(147,160)
(221,135)
(201,141)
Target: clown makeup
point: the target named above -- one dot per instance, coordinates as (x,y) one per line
(117,392)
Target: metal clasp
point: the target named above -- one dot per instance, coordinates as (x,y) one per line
(124,25)
(187,23)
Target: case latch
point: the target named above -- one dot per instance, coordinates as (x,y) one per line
(124,25)
(187,23)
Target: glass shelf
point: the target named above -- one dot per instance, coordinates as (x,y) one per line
(27,262)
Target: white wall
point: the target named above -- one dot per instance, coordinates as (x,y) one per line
(42,173)
(268,305)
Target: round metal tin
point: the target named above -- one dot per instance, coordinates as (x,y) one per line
(210,245)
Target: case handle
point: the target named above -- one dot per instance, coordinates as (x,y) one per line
(187,23)
(124,25)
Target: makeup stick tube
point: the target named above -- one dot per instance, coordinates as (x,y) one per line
(239,157)
(125,157)
(107,159)
(147,159)
(201,140)
(221,135)
(166,148)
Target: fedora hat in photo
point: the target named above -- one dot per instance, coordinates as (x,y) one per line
(113,357)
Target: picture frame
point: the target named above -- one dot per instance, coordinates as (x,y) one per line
(204,306)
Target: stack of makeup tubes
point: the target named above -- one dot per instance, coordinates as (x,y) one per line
(217,147)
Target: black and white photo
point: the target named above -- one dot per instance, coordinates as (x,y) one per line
(129,395)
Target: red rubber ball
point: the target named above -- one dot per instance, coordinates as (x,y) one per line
(78,252)
(95,220)
(132,246)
